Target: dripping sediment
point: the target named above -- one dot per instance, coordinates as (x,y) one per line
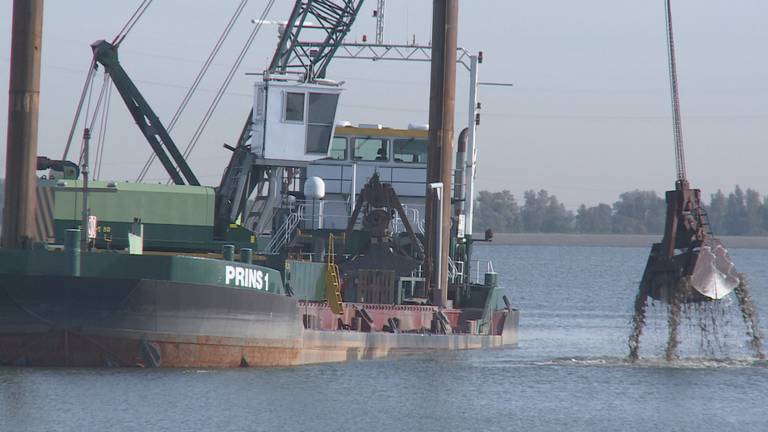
(749,315)
(710,319)
(638,322)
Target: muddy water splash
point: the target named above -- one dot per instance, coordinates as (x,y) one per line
(673,324)
(749,314)
(638,322)
(709,319)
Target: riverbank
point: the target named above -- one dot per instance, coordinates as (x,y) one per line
(618,240)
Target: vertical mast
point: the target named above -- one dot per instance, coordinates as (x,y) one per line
(676,117)
(442,104)
(23,106)
(379,14)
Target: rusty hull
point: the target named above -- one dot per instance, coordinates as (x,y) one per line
(98,322)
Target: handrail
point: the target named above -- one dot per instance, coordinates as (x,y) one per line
(476,265)
(455,270)
(283,234)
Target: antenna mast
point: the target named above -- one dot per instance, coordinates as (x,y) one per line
(379,15)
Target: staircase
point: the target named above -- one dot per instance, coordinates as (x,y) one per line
(283,236)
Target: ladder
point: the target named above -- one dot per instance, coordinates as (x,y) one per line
(332,280)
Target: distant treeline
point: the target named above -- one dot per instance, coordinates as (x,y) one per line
(636,212)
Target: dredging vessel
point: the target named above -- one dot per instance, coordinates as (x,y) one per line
(335,262)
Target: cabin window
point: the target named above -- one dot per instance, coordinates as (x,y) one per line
(294,107)
(371,149)
(322,112)
(410,150)
(338,149)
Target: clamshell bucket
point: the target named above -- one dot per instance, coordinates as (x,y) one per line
(689,263)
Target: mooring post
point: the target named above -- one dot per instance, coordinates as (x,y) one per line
(246,255)
(72,250)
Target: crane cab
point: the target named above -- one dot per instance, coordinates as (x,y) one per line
(293,122)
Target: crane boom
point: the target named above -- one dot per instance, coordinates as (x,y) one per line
(329,20)
(149,124)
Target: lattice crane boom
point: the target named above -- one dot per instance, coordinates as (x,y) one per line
(327,20)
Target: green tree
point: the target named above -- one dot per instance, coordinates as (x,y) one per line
(597,219)
(556,218)
(533,210)
(639,212)
(753,213)
(498,211)
(636,212)
(716,210)
(735,222)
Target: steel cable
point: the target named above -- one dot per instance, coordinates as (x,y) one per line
(85,120)
(201,127)
(131,22)
(92,71)
(79,109)
(676,116)
(198,79)
(100,143)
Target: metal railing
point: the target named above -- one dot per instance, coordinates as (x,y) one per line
(455,271)
(477,277)
(284,234)
(413,216)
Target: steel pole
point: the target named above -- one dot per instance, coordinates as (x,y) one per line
(471,156)
(86,213)
(23,107)
(442,109)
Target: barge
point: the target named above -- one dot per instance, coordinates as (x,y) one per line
(323,241)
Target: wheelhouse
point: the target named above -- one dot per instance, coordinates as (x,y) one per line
(356,152)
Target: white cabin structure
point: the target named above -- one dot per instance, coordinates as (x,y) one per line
(356,152)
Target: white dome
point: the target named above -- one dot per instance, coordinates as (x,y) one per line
(314,188)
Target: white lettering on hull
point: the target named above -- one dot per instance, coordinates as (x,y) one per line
(246,277)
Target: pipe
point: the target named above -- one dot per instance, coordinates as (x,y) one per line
(459,197)
(438,188)
(72,251)
(471,147)
(23,115)
(442,107)
(86,213)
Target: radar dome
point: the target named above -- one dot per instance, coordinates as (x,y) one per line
(314,188)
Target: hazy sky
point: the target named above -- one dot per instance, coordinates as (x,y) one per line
(588,117)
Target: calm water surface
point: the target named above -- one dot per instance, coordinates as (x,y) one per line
(568,372)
